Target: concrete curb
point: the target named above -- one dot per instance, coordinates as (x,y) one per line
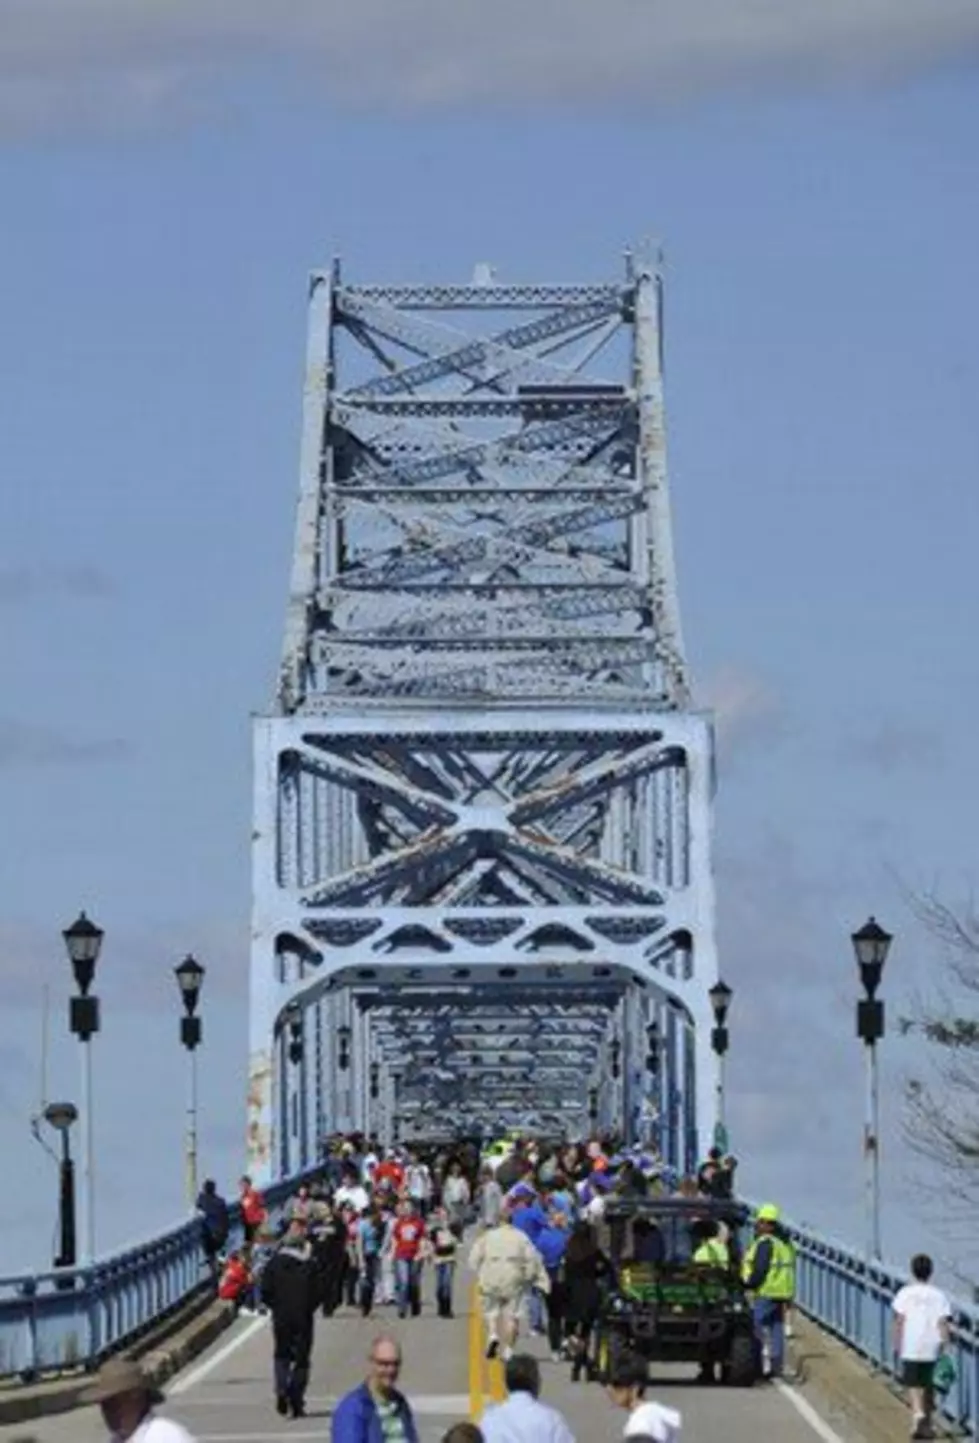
(162,1355)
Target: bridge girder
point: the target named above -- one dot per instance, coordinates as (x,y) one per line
(483,793)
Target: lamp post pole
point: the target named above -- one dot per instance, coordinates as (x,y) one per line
(61,1116)
(871,945)
(395,1105)
(83,942)
(374,1092)
(297,1119)
(344,1035)
(615,1061)
(654,1045)
(190,979)
(720,1000)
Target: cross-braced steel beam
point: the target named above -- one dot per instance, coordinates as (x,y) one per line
(482,797)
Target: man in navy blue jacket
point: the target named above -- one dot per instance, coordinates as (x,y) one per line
(376,1412)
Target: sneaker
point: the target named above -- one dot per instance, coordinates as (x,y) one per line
(282,1404)
(492,1347)
(507,1354)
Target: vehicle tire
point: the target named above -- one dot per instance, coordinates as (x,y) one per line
(741,1365)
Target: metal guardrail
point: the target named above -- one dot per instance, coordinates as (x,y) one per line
(72,1318)
(850,1297)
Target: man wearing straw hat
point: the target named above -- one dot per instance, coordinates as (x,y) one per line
(127,1397)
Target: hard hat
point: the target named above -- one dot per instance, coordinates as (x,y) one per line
(768,1213)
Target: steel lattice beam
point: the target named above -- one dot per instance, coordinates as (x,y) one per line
(482,804)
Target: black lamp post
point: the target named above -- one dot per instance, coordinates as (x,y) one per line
(593,1106)
(296,1037)
(654,1048)
(294,1101)
(720,1000)
(653,1045)
(343,1038)
(375,1081)
(615,1055)
(83,942)
(190,979)
(61,1116)
(395,1095)
(871,945)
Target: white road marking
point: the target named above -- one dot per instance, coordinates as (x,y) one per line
(431,1405)
(439,1405)
(428,1405)
(255,1437)
(197,1375)
(805,1410)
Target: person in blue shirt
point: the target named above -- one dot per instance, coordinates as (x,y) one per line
(523,1418)
(371,1233)
(529,1217)
(561,1199)
(551,1243)
(527,1214)
(376,1412)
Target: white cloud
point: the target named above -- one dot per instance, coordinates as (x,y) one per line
(739,698)
(61,61)
(747,712)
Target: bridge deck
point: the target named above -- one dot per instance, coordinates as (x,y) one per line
(225,1396)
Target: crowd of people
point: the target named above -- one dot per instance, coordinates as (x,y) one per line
(362,1235)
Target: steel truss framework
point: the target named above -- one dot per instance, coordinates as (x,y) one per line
(483,802)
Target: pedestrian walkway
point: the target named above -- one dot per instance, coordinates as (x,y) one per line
(226,1395)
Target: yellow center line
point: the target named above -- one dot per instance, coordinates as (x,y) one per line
(486,1379)
(476,1359)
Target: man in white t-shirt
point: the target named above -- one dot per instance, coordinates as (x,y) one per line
(922,1315)
(352,1193)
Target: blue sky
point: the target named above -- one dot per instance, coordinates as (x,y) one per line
(822,319)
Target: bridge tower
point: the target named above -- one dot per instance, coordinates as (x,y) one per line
(481,848)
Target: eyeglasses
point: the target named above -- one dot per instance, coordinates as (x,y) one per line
(386,1362)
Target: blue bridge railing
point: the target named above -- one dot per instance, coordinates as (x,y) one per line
(71,1319)
(850,1298)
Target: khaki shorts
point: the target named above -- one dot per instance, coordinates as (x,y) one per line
(508,1305)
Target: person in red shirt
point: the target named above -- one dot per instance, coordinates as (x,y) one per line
(235,1280)
(408,1238)
(389,1173)
(253,1213)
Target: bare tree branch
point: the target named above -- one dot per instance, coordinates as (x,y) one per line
(941,1123)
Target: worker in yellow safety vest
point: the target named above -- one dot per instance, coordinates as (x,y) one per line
(712,1251)
(768,1272)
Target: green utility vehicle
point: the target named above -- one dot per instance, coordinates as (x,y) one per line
(664,1306)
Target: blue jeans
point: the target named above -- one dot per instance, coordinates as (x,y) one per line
(407,1286)
(368,1282)
(443,1287)
(769,1316)
(535,1308)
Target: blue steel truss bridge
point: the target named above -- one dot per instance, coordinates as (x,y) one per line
(482,851)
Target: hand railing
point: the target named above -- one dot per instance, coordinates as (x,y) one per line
(850,1297)
(71,1318)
